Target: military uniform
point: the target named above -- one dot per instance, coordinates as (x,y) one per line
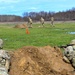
(3,71)
(4,60)
(69,54)
(30,22)
(1,43)
(73,60)
(52,20)
(42,21)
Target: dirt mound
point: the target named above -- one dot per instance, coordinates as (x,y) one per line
(31,60)
(21,26)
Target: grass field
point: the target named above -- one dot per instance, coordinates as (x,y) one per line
(15,38)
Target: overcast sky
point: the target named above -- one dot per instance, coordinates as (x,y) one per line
(18,7)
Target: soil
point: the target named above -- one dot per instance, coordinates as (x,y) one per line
(32,60)
(21,26)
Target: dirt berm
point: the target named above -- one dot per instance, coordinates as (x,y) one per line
(21,26)
(31,60)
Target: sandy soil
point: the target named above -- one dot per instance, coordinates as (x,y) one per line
(31,60)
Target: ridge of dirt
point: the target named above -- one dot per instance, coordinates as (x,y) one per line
(21,26)
(32,60)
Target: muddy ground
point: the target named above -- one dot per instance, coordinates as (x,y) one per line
(31,60)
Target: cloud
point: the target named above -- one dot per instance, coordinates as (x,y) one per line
(55,0)
(5,7)
(33,8)
(49,1)
(2,7)
(9,1)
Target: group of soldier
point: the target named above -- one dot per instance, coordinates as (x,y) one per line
(69,50)
(41,21)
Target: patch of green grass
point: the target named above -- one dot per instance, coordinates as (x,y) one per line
(15,38)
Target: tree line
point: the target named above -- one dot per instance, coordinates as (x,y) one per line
(58,16)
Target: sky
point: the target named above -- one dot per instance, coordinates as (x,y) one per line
(18,7)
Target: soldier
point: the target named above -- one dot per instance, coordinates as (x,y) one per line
(52,21)
(4,60)
(30,22)
(1,43)
(42,21)
(69,53)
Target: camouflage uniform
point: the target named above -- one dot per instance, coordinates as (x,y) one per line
(73,60)
(42,21)
(4,60)
(30,22)
(3,71)
(52,20)
(69,54)
(73,42)
(1,43)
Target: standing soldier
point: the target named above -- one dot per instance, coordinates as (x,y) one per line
(4,60)
(42,21)
(1,43)
(52,21)
(30,22)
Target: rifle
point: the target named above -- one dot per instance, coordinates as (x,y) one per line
(65,46)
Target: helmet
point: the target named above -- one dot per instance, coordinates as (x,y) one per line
(73,42)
